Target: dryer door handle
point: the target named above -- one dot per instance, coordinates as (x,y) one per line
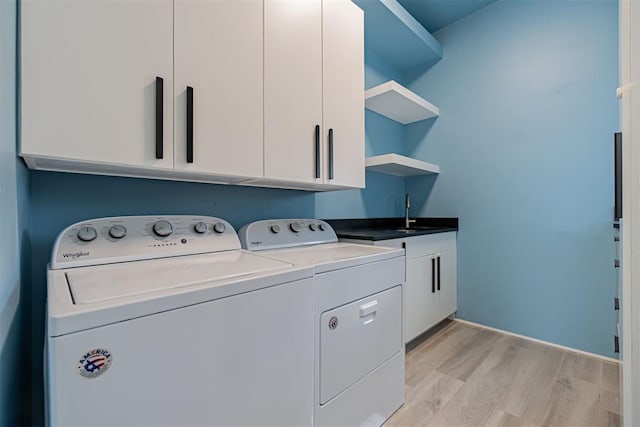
(368,308)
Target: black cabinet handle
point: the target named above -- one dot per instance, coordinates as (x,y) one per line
(330,153)
(438,272)
(189,124)
(616,344)
(617,167)
(159,118)
(433,275)
(317,151)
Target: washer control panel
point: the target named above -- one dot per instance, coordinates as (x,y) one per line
(133,238)
(285,233)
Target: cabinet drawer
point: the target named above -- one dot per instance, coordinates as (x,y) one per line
(417,246)
(356,338)
(424,245)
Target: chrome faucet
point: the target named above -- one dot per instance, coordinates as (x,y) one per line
(407,205)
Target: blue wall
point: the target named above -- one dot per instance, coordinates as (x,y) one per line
(14,362)
(526,91)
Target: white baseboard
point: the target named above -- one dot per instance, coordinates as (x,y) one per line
(562,347)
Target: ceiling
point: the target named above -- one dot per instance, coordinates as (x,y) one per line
(436,14)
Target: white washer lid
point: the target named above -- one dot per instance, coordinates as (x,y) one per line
(106,282)
(333,256)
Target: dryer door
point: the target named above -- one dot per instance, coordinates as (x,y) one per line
(356,338)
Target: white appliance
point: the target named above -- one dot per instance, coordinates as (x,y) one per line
(359,365)
(164,320)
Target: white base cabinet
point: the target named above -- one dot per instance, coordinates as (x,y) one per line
(264,93)
(430,291)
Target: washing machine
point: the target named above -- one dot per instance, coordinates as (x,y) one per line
(165,320)
(359,350)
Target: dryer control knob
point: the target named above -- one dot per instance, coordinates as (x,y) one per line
(295,227)
(162,228)
(87,234)
(219,227)
(313,227)
(322,227)
(200,227)
(275,229)
(117,231)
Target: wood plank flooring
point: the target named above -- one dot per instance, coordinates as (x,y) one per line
(467,376)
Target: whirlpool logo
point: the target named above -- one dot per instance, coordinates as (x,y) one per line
(75,255)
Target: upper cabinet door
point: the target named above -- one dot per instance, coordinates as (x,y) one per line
(293,90)
(343,101)
(88,88)
(218,53)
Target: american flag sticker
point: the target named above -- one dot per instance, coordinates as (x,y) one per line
(95,362)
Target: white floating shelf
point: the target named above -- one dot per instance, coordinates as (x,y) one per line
(395,164)
(398,103)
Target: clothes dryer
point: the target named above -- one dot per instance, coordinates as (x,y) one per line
(359,350)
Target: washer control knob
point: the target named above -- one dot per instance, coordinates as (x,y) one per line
(313,227)
(322,227)
(200,227)
(275,228)
(87,234)
(162,228)
(295,227)
(219,227)
(117,231)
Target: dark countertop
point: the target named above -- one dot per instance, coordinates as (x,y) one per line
(390,228)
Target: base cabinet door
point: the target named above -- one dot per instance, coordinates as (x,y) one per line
(218,57)
(447,290)
(89,87)
(419,297)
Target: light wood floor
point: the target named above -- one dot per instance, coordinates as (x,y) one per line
(468,376)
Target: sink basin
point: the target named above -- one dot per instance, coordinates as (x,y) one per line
(399,230)
(406,230)
(411,229)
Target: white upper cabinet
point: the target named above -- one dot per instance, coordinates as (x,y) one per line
(218,54)
(293,90)
(314,86)
(228,91)
(88,82)
(343,86)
